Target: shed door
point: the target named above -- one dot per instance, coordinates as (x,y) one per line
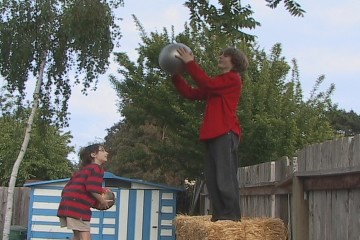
(138,214)
(104,224)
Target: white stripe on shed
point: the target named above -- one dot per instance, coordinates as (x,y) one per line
(123,216)
(166,222)
(167,196)
(47,192)
(139,213)
(44,205)
(166,209)
(43,218)
(154,215)
(166,232)
(110,231)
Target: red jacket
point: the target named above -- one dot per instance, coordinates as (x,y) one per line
(76,197)
(222,95)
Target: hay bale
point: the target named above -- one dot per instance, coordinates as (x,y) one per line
(201,228)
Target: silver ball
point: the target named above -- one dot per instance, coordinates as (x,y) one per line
(168,60)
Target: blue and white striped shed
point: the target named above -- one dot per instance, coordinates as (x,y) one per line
(143,211)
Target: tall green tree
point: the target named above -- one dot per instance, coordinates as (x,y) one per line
(49,41)
(276,118)
(149,104)
(46,155)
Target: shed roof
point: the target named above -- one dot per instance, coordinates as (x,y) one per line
(110,176)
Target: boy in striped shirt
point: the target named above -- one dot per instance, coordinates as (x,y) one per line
(82,191)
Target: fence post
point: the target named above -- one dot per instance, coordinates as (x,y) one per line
(272,197)
(300,211)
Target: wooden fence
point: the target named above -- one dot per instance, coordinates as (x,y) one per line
(316,193)
(20,207)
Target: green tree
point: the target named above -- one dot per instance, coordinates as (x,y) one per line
(344,123)
(230,18)
(144,152)
(48,40)
(46,156)
(276,119)
(150,105)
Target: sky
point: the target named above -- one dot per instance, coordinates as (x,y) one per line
(325,41)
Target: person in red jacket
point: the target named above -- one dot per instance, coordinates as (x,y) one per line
(83,190)
(220,129)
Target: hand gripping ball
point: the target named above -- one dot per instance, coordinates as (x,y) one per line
(108,195)
(168,60)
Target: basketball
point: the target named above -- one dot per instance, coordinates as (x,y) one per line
(107,195)
(168,60)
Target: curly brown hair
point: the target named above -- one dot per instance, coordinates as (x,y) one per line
(238,59)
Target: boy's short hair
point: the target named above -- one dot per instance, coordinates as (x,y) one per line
(238,59)
(85,153)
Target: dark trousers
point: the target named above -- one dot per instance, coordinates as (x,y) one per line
(221,164)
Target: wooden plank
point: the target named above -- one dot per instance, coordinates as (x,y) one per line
(264,190)
(345,152)
(316,158)
(308,158)
(272,197)
(319,215)
(246,175)
(349,181)
(3,196)
(301,160)
(300,211)
(354,214)
(354,152)
(242,176)
(283,208)
(331,150)
(328,181)
(325,159)
(326,215)
(314,180)
(329,172)
(315,215)
(20,206)
(246,206)
(281,167)
(256,174)
(340,216)
(312,212)
(334,154)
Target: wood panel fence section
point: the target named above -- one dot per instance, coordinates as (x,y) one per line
(317,192)
(329,175)
(20,207)
(260,194)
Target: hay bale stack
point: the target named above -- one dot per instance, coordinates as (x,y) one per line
(201,228)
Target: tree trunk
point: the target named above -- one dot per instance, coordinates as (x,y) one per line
(15,170)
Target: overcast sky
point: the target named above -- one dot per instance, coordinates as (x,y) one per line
(326,41)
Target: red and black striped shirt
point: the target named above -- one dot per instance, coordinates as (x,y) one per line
(76,197)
